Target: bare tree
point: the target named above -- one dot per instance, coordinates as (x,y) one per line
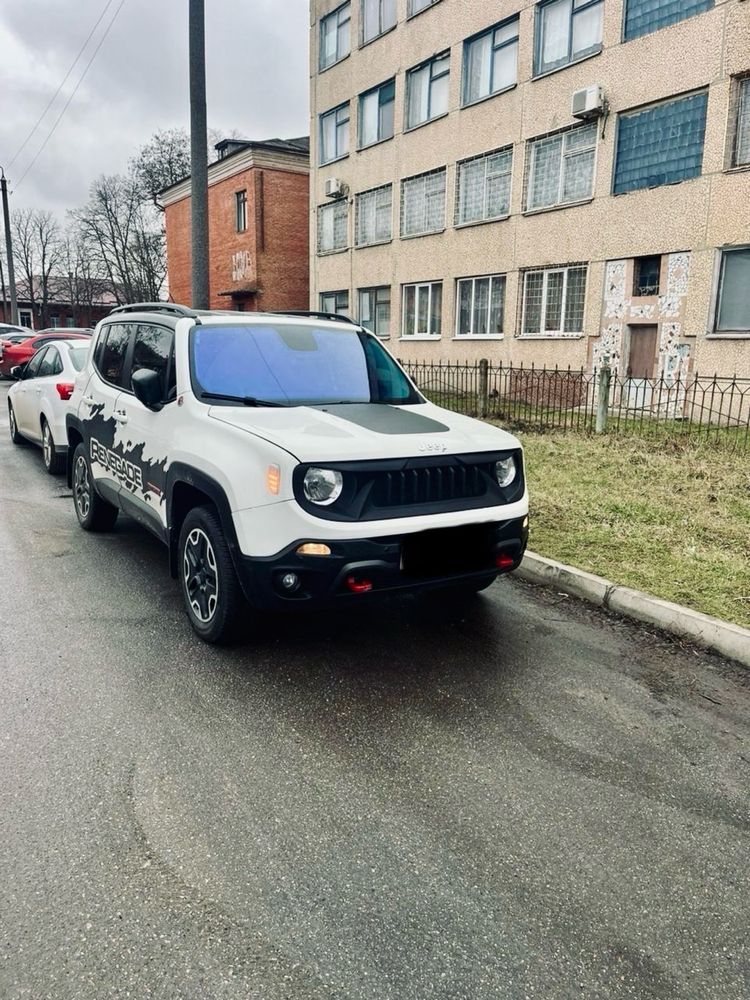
(164,160)
(38,252)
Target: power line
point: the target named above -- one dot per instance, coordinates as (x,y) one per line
(72,95)
(64,80)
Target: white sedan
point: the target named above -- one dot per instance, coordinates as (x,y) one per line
(38,399)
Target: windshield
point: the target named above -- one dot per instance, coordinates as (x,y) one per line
(295,365)
(78,357)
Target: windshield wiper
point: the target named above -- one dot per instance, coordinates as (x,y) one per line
(245,400)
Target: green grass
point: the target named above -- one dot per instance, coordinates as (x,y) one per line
(671,517)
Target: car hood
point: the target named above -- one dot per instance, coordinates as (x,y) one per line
(362,431)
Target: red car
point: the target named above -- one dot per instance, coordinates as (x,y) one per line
(19,354)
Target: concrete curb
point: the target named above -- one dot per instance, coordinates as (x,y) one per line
(730,640)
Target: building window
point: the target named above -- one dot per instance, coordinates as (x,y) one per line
(376,114)
(662,144)
(375,310)
(553,300)
(733,308)
(491,61)
(483,187)
(24,318)
(645,16)
(54,322)
(415,6)
(427,90)
(378,16)
(373,216)
(423,204)
(566,30)
(70,322)
(334,36)
(335,302)
(240,211)
(334,134)
(741,145)
(423,306)
(333,227)
(481,304)
(646,276)
(561,168)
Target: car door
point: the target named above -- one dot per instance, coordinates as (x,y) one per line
(147,431)
(24,395)
(42,382)
(101,425)
(49,404)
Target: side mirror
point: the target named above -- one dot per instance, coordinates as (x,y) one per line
(147,388)
(17,372)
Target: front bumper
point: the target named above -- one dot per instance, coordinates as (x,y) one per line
(367,567)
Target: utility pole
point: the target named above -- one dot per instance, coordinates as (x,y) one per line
(198,155)
(9,251)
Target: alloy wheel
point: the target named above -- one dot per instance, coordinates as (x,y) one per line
(47,445)
(201,575)
(82,487)
(12,419)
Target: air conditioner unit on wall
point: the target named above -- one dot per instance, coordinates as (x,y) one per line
(588,103)
(335,188)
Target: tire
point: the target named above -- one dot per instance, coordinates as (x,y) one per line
(54,462)
(211,592)
(93,513)
(14,435)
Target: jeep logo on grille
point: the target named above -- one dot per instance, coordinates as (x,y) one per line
(433,446)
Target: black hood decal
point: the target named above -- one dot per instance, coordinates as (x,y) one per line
(384,419)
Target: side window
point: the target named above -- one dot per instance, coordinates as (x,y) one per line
(111,351)
(32,368)
(153,348)
(51,364)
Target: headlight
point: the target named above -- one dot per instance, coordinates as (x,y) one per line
(505,471)
(323,486)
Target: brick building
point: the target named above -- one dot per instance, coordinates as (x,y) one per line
(258,196)
(70,303)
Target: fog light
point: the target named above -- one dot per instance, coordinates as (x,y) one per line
(313,549)
(290,581)
(504,561)
(358,586)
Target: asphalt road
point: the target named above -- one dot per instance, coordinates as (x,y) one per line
(519,798)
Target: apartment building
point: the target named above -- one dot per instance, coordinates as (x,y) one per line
(548,182)
(258,194)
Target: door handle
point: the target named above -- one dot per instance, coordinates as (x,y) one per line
(121,416)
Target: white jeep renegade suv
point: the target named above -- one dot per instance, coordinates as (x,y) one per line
(286,461)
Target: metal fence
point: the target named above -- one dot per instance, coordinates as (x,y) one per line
(567,399)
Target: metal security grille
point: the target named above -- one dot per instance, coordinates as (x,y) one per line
(662,144)
(332,227)
(645,16)
(553,301)
(742,141)
(407,487)
(373,216)
(483,188)
(423,204)
(561,168)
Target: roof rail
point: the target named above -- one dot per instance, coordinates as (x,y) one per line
(167,307)
(312,314)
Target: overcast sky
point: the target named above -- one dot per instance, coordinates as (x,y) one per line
(257,81)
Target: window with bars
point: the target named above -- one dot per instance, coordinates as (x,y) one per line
(376,114)
(733,306)
(661,144)
(427,90)
(566,30)
(240,211)
(490,61)
(374,216)
(483,187)
(741,151)
(333,225)
(334,134)
(561,168)
(553,301)
(644,16)
(423,204)
(375,310)
(646,276)
(335,302)
(378,16)
(415,6)
(422,310)
(335,36)
(481,303)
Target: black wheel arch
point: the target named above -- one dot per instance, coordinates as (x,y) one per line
(188,488)
(74,434)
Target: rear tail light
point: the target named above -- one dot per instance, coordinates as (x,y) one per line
(65,389)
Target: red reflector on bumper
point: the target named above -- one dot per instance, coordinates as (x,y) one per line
(504,561)
(358,586)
